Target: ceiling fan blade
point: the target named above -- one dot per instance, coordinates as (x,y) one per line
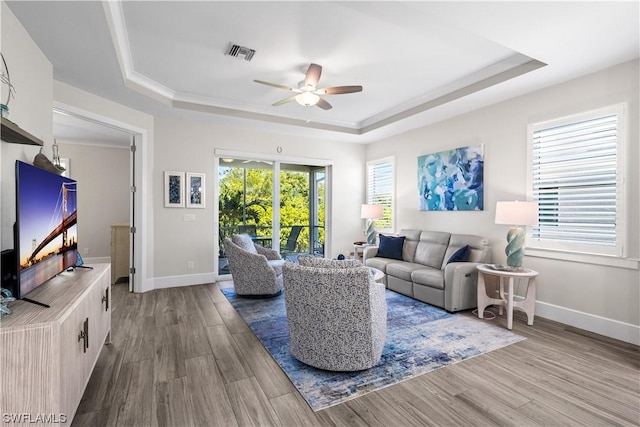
(284,101)
(324,104)
(274,85)
(313,75)
(337,90)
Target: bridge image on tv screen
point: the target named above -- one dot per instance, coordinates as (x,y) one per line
(47,225)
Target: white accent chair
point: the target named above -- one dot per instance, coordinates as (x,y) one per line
(256,270)
(337,316)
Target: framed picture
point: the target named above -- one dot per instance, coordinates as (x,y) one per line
(195,190)
(452,180)
(173,189)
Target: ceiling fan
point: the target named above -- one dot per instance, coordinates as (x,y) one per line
(307,93)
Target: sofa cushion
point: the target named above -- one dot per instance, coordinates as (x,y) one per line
(479,248)
(245,242)
(390,247)
(431,277)
(402,269)
(379,263)
(431,248)
(461,255)
(411,238)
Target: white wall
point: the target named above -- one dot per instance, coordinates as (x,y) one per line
(102,173)
(32,76)
(595,297)
(189,147)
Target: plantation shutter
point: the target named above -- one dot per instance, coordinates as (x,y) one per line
(574,176)
(380,190)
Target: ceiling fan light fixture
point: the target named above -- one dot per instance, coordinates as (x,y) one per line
(307,99)
(308,93)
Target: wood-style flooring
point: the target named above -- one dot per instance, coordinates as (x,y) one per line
(184,357)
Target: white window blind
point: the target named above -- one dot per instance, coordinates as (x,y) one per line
(380,190)
(575,176)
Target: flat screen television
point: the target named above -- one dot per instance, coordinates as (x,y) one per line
(46,232)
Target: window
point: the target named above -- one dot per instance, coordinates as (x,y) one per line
(576,178)
(380,187)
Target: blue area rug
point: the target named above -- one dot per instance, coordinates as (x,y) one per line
(420,339)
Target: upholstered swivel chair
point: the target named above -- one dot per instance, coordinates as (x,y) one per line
(337,316)
(314,261)
(256,271)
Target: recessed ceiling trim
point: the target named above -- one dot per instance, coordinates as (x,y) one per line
(146,86)
(508,63)
(263,117)
(180,100)
(120,37)
(117,27)
(491,80)
(516,65)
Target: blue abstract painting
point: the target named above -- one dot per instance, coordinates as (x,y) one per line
(452,180)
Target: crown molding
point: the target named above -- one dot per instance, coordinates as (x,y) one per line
(506,69)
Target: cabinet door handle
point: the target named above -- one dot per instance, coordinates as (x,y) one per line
(105,299)
(84,335)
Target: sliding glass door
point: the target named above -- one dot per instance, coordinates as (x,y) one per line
(247,195)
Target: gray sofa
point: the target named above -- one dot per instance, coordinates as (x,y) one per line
(424,272)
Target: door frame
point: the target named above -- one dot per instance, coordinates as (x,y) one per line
(138,210)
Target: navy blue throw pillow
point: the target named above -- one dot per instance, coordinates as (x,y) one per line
(461,255)
(390,247)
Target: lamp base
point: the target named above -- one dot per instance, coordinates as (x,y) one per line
(371,233)
(515,247)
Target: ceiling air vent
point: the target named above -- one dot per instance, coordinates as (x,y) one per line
(239,52)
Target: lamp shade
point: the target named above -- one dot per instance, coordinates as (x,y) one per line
(371,211)
(517,213)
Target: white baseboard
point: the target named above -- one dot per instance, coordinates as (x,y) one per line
(600,325)
(144,286)
(188,280)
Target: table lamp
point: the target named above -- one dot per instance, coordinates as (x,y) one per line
(371,213)
(516,214)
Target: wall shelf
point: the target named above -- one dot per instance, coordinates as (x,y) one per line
(13,133)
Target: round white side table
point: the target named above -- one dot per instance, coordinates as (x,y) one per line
(378,275)
(528,305)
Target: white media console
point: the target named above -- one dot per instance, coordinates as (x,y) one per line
(47,354)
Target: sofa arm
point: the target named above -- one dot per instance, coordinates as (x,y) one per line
(270,254)
(369,252)
(460,286)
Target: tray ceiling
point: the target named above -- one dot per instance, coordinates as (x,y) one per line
(418,61)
